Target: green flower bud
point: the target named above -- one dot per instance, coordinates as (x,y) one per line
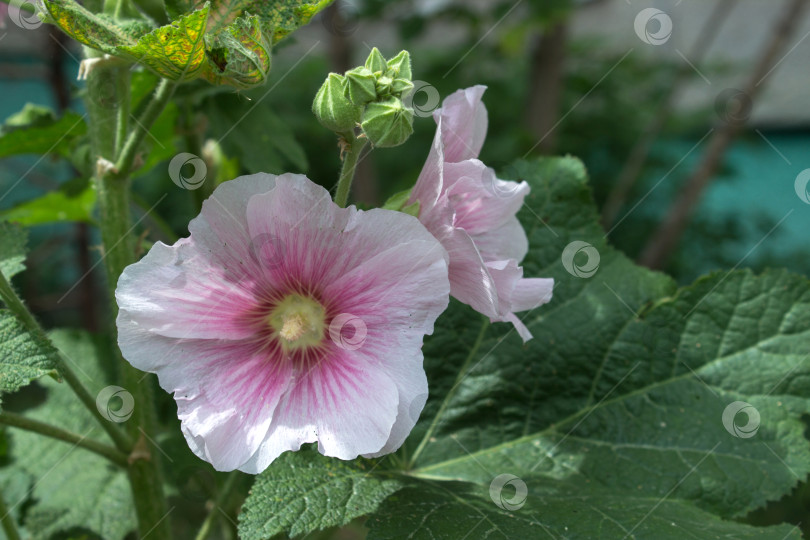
(332,109)
(399,67)
(383,86)
(401,87)
(375,62)
(360,86)
(387,123)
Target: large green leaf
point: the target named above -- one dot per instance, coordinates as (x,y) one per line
(224,42)
(311,492)
(37,130)
(74,488)
(575,510)
(610,422)
(23,357)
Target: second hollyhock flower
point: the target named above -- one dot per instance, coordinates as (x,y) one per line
(286,320)
(472,213)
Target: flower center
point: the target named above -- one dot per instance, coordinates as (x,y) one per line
(298,322)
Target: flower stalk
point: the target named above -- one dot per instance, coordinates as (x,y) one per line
(104,450)
(355,147)
(113,183)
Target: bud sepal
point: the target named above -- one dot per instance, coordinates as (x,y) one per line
(331,107)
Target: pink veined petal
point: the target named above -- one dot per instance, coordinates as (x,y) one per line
(505,242)
(226,392)
(179,292)
(461,127)
(408,374)
(470,280)
(347,405)
(521,329)
(429,184)
(516,293)
(321,242)
(397,297)
(481,201)
(530,293)
(401,287)
(463,124)
(221,228)
(505,274)
(300,223)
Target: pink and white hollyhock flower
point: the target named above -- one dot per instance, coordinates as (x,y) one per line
(473,214)
(284,319)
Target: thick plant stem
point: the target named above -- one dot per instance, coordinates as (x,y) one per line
(7,520)
(122,95)
(15,304)
(22,422)
(355,146)
(112,185)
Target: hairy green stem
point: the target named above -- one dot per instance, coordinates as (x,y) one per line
(122,95)
(355,146)
(7,520)
(222,497)
(15,304)
(112,184)
(22,422)
(158,102)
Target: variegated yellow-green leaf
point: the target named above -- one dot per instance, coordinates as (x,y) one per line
(239,55)
(280,16)
(175,51)
(96,31)
(224,42)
